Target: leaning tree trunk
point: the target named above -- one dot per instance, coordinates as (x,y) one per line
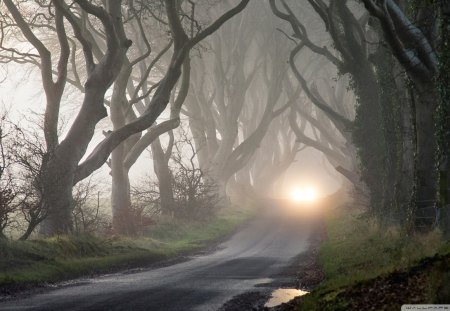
(59,170)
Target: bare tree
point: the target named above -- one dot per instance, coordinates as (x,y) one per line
(28,151)
(223,98)
(7,183)
(61,166)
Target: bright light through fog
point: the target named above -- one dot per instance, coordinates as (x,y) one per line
(307,194)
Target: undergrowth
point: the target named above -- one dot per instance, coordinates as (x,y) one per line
(358,249)
(25,264)
(368,267)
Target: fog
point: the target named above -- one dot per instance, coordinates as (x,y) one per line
(233,74)
(229,154)
(22,96)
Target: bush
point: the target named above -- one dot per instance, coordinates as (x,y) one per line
(88,217)
(195,196)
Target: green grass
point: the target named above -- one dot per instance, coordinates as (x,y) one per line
(359,254)
(358,249)
(25,264)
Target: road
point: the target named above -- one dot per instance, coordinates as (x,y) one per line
(257,256)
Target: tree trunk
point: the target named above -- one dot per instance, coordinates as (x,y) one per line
(122,216)
(426,174)
(443,118)
(368,134)
(198,133)
(164,175)
(223,199)
(123,221)
(407,164)
(57,183)
(59,170)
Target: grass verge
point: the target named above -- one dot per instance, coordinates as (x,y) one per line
(371,268)
(27,264)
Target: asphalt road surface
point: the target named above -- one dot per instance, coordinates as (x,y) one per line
(254,257)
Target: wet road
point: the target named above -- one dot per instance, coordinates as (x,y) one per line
(255,256)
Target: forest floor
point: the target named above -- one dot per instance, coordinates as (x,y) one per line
(365,267)
(42,263)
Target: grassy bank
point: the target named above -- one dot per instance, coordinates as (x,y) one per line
(26,264)
(371,268)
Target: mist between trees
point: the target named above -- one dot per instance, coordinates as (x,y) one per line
(226,96)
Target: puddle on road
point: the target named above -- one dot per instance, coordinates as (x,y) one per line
(283,295)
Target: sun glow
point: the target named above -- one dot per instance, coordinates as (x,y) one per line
(306,194)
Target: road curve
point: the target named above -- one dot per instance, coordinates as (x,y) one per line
(254,256)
